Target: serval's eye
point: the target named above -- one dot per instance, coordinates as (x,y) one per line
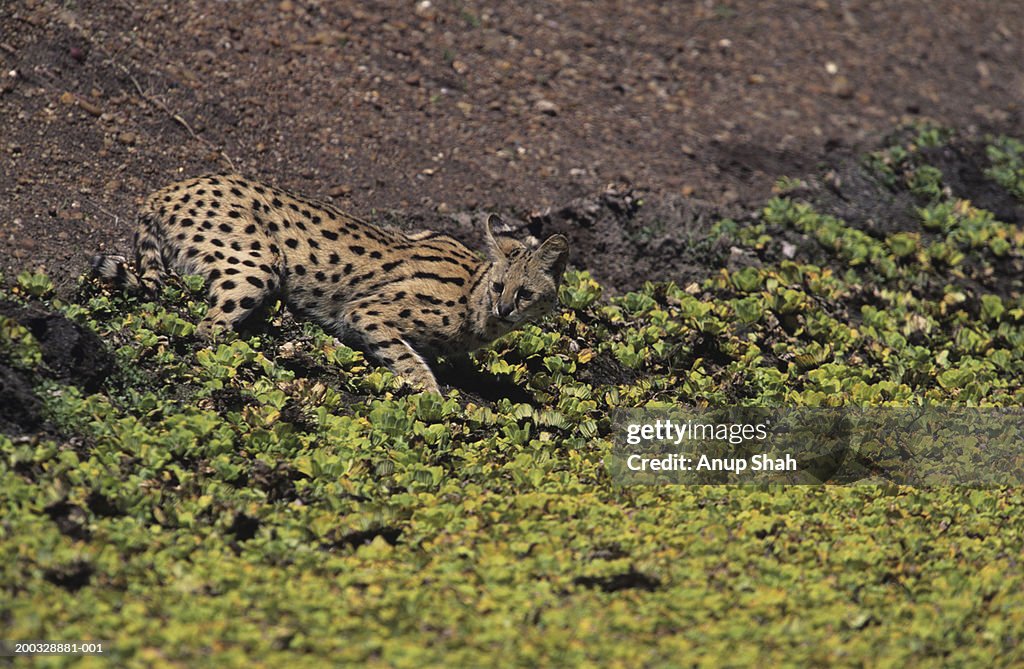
(498,287)
(524,294)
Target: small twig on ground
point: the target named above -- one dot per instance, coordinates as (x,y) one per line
(98,44)
(176,117)
(103,210)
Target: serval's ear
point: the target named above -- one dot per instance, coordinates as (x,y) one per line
(498,248)
(553,255)
(493,250)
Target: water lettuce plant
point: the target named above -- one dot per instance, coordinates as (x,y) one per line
(280,499)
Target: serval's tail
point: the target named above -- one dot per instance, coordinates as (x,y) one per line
(148,274)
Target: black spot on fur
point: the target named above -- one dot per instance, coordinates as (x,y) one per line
(456,280)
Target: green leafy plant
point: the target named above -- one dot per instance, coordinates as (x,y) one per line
(17,345)
(35,284)
(281,499)
(1007,157)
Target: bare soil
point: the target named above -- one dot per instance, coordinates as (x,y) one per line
(632,126)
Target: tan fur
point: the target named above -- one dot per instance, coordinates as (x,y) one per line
(400,296)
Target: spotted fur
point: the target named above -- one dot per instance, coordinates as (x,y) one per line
(402,297)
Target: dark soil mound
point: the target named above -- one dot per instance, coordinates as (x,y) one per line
(71,355)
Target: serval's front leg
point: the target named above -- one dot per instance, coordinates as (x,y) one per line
(385,342)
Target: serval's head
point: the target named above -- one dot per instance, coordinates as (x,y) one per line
(522,284)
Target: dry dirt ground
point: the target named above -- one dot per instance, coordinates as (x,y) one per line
(630,125)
